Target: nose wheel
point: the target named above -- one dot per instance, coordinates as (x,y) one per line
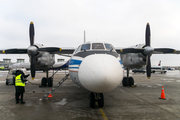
(96,97)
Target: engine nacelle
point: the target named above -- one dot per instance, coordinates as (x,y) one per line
(134,60)
(45,60)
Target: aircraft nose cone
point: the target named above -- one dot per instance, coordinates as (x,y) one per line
(100,73)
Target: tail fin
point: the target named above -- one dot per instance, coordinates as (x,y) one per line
(159,63)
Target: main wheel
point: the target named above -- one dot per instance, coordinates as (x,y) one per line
(125,82)
(131,81)
(50,82)
(43,82)
(7,82)
(92,100)
(101,101)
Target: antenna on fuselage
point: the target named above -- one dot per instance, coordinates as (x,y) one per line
(84,36)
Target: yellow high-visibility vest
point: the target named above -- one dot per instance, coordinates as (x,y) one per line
(18,81)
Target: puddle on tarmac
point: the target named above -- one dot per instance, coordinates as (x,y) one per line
(62,102)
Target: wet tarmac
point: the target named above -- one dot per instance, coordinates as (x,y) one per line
(69,102)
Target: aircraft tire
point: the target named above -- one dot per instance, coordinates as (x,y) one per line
(101,101)
(125,82)
(131,81)
(92,100)
(7,82)
(50,82)
(43,82)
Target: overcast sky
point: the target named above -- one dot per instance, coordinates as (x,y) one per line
(61,23)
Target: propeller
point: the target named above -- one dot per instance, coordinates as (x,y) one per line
(32,50)
(148,50)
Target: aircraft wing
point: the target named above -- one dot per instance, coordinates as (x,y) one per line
(57,50)
(129,50)
(52,50)
(155,50)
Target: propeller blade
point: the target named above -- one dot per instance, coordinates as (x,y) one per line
(31,33)
(14,51)
(33,66)
(148,67)
(165,50)
(148,35)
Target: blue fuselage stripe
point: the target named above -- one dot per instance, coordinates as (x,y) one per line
(74,62)
(73,67)
(120,62)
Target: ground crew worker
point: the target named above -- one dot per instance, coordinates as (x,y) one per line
(19,85)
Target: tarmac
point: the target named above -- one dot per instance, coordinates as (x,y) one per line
(69,102)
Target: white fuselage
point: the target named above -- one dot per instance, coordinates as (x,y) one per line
(98,71)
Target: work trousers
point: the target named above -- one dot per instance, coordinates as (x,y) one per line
(17,96)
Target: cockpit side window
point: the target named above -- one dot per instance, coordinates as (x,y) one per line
(97,46)
(78,49)
(109,47)
(85,47)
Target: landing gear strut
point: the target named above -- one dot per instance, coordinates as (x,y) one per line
(128,81)
(96,97)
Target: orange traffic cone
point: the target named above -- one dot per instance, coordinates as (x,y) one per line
(49,95)
(162,94)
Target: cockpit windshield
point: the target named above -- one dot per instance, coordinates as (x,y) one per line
(85,47)
(94,46)
(97,46)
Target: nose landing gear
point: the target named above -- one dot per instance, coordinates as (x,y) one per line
(96,97)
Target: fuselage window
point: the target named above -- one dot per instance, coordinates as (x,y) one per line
(97,46)
(85,47)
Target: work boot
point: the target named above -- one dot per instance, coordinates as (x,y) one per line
(17,102)
(23,102)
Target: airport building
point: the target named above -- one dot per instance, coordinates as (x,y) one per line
(4,65)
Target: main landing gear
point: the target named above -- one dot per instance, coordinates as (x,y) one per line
(47,81)
(127,81)
(96,97)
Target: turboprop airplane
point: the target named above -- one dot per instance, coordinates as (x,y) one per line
(95,66)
